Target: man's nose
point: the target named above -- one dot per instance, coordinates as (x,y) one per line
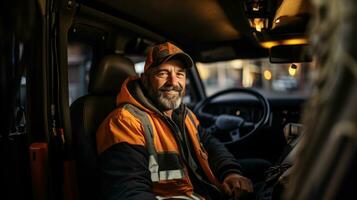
(173,80)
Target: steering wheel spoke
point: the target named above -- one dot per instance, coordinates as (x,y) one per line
(248,125)
(234,135)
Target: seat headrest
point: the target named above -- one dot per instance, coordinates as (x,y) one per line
(107,78)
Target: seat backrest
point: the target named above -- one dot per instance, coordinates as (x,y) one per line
(89,111)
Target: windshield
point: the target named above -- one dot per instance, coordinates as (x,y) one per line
(271,79)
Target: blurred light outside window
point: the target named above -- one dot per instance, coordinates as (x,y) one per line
(271,79)
(139,67)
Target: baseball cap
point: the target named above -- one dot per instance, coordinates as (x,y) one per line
(161,53)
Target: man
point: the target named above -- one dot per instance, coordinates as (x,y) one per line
(151,146)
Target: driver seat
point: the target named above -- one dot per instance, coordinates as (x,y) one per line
(89,111)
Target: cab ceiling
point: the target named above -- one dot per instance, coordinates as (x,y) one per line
(196,25)
(186,20)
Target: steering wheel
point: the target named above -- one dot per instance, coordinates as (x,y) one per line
(234,121)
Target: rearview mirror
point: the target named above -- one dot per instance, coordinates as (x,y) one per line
(290,53)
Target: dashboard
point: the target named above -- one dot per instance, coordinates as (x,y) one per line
(269,142)
(283,110)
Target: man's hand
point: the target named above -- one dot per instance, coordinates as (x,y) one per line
(236,185)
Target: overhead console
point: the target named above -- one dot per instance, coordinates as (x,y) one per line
(278,22)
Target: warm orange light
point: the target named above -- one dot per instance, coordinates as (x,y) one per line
(267,75)
(293,69)
(294,41)
(270,44)
(258,23)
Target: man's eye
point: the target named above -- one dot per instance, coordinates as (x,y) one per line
(161,74)
(181,75)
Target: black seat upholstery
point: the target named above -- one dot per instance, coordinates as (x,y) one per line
(89,111)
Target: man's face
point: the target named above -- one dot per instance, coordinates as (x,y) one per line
(166,84)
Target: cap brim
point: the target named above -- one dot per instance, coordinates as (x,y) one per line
(188,62)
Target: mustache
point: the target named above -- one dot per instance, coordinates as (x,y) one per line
(177,88)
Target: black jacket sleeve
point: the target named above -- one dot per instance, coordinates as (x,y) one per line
(221,161)
(124,173)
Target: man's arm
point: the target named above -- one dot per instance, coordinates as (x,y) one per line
(124,173)
(221,161)
(225,167)
(123,158)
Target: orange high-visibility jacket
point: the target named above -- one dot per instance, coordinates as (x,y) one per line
(154,157)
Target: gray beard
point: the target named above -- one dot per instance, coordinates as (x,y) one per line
(169,103)
(165,103)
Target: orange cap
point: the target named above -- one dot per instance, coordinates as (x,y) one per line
(161,53)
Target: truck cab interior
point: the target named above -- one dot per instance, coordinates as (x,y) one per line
(283,71)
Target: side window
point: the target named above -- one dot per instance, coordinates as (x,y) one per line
(139,67)
(79,63)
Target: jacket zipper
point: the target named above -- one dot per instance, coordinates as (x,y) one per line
(180,140)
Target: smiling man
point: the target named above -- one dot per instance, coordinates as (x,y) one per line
(166,84)
(151,146)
